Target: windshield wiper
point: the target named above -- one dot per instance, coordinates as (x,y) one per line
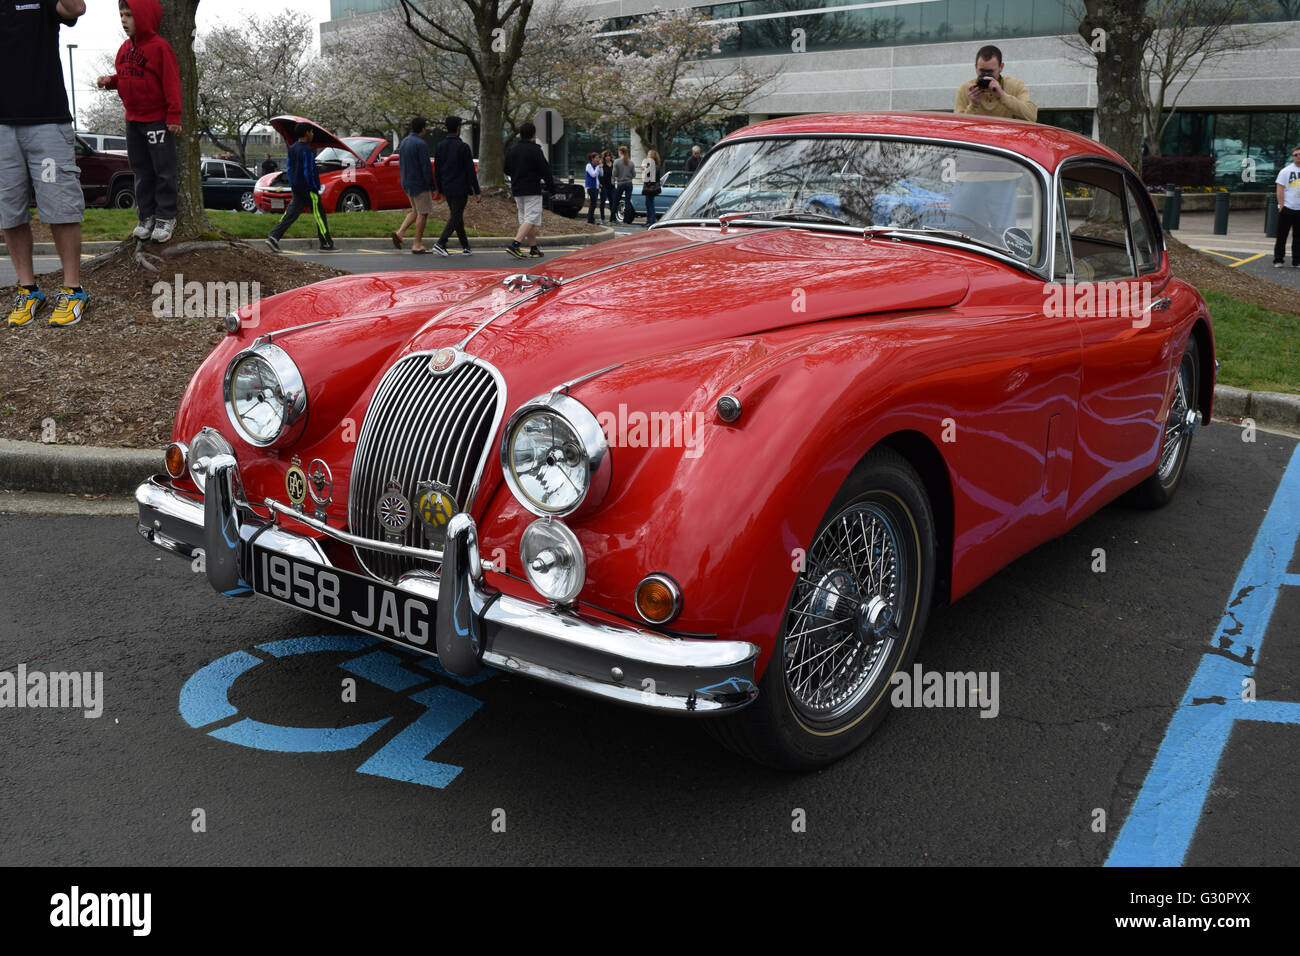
(932,230)
(809,217)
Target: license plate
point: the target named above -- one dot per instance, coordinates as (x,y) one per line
(358,603)
(277,203)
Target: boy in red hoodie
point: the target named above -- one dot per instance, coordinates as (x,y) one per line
(149,81)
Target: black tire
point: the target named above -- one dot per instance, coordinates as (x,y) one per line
(353,199)
(1176,438)
(246,203)
(787,726)
(626,211)
(122,197)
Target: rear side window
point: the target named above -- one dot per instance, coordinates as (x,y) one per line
(1094,205)
(114,142)
(1144,231)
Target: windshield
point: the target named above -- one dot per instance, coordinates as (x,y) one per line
(990,199)
(332,154)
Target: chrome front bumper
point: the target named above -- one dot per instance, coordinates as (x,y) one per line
(477,624)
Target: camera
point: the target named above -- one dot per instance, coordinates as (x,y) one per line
(985,78)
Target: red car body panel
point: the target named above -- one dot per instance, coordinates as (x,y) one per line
(1032,422)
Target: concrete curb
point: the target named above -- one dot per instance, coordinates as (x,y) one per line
(89,470)
(354,242)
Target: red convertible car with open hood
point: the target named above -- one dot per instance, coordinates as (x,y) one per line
(356,172)
(725,467)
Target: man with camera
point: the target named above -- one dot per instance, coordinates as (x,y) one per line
(991,93)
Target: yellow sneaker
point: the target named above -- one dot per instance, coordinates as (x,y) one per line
(68,306)
(26,305)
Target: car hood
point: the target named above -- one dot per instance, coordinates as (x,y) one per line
(672,288)
(321,137)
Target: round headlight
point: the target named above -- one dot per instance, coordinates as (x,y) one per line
(208,443)
(555,456)
(265,396)
(553,560)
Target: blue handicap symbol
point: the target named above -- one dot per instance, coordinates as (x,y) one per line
(205,700)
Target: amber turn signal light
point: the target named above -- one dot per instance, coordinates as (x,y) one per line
(658,598)
(175,459)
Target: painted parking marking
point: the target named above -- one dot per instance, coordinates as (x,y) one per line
(1242,262)
(1223,255)
(205,700)
(1160,827)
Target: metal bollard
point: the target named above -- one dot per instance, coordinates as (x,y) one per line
(1173,208)
(1221,214)
(1270,218)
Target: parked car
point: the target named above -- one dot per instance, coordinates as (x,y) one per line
(356,172)
(724,467)
(104,142)
(227,185)
(673,183)
(106,178)
(569,198)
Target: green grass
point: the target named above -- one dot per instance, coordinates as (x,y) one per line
(115,224)
(1259,349)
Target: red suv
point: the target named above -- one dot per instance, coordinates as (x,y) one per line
(106,178)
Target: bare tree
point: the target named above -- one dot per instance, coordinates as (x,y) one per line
(489,34)
(659,80)
(248,73)
(1190,35)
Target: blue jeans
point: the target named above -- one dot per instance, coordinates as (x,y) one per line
(593,195)
(621,192)
(650,216)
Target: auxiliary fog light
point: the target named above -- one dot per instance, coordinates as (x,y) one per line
(553,560)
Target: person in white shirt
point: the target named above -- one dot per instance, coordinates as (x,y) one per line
(650,178)
(1288,212)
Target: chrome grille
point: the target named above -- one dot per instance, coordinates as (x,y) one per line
(421,426)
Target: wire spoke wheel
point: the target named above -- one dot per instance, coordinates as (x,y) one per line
(1176,427)
(837,638)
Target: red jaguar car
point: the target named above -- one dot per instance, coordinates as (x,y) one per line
(356,172)
(723,468)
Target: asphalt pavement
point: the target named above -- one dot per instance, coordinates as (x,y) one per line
(227,735)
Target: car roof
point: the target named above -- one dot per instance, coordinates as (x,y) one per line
(1046,145)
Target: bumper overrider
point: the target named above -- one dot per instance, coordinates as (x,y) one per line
(471,623)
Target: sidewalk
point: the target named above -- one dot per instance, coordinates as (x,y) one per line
(1245,232)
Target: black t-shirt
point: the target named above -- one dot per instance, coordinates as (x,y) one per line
(31,75)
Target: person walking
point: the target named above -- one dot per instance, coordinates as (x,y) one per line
(624,174)
(417,182)
(36,134)
(454,177)
(606,185)
(305,183)
(593,185)
(1288,212)
(650,187)
(526,165)
(148,80)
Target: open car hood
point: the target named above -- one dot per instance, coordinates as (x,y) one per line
(321,137)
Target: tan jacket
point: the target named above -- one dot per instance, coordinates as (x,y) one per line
(1015,102)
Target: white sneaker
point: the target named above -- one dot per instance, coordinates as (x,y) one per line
(144,230)
(162,229)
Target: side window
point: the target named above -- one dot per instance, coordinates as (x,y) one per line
(114,142)
(386,151)
(1143,229)
(1094,203)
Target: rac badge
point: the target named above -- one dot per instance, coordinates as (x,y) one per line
(295,483)
(435,506)
(394,511)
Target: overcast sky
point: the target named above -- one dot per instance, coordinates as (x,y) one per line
(100,31)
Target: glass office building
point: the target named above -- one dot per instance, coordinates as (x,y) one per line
(838,55)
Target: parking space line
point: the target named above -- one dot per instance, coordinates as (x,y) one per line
(1258,255)
(1160,827)
(1224,255)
